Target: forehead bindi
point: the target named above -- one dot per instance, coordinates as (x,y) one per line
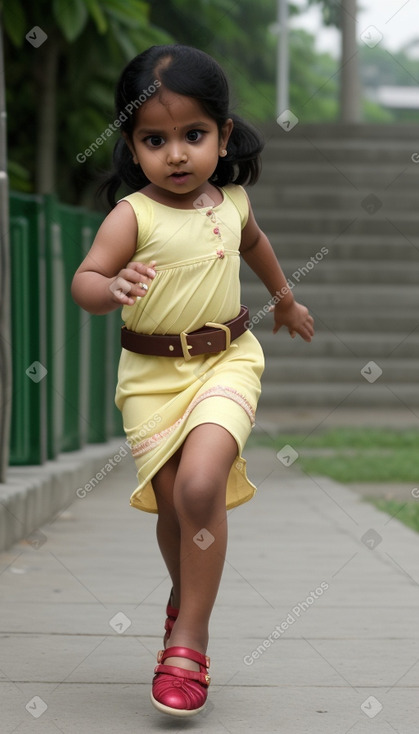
(171,112)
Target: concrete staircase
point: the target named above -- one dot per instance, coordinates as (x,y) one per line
(353,190)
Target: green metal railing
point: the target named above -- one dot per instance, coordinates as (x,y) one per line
(64,359)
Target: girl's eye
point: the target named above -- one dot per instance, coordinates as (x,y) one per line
(193,136)
(154,141)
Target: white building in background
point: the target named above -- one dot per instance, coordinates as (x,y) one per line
(400,98)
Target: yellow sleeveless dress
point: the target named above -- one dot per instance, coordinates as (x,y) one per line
(197,280)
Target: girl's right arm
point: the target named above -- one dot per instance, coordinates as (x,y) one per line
(106,279)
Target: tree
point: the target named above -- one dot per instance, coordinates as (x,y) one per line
(107,32)
(342,14)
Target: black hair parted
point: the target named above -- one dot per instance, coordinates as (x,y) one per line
(191,72)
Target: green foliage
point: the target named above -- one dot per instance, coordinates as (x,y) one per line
(221,28)
(354,455)
(331,11)
(93,45)
(374,113)
(405,512)
(313,80)
(94,39)
(348,438)
(365,466)
(71,17)
(14,21)
(382,67)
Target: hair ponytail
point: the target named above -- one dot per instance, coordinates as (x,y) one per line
(242,165)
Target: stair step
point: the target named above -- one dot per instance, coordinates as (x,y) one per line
(337,369)
(365,320)
(387,134)
(344,246)
(338,154)
(354,265)
(335,271)
(346,175)
(344,296)
(354,221)
(366,346)
(326,198)
(336,395)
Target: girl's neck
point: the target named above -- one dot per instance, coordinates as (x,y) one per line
(208,194)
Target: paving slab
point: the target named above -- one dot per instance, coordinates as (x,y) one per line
(314,630)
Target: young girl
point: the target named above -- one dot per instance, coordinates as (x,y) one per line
(189,373)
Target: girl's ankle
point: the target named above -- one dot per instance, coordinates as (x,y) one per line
(199,643)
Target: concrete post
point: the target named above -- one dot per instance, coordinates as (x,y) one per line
(350,86)
(282,74)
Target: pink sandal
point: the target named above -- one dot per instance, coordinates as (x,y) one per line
(172,614)
(178,691)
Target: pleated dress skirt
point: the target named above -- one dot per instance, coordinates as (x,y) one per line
(163,398)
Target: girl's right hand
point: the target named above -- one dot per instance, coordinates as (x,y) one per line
(132,282)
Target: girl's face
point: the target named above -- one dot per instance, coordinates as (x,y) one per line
(177,145)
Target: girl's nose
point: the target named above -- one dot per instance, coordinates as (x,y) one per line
(176,154)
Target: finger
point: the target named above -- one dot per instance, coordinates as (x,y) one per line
(277,327)
(137,284)
(140,289)
(121,292)
(142,269)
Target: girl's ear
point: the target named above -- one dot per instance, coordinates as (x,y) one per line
(131,147)
(224,135)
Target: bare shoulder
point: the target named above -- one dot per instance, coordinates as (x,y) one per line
(121,222)
(115,242)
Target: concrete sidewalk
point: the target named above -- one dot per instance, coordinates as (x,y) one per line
(314,631)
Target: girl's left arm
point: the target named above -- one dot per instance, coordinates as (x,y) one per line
(257,252)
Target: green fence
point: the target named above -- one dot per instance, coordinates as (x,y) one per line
(64,359)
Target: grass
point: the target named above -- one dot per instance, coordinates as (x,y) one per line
(353,455)
(358,455)
(406,512)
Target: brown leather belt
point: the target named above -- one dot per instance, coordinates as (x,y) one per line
(210,339)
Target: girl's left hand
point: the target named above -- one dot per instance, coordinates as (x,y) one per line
(296,317)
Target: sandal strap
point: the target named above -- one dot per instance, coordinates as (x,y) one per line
(169,623)
(184,652)
(202,678)
(172,612)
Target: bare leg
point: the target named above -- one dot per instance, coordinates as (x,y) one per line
(199,500)
(168,529)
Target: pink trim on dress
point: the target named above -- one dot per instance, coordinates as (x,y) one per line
(217,391)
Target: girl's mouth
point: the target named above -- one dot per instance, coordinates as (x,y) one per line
(179,177)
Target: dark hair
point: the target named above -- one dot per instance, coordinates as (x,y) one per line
(193,73)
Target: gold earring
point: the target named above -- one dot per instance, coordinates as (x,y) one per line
(223,153)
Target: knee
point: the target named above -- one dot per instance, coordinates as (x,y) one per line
(198,497)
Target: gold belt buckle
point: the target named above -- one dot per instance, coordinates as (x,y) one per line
(226,330)
(185,346)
